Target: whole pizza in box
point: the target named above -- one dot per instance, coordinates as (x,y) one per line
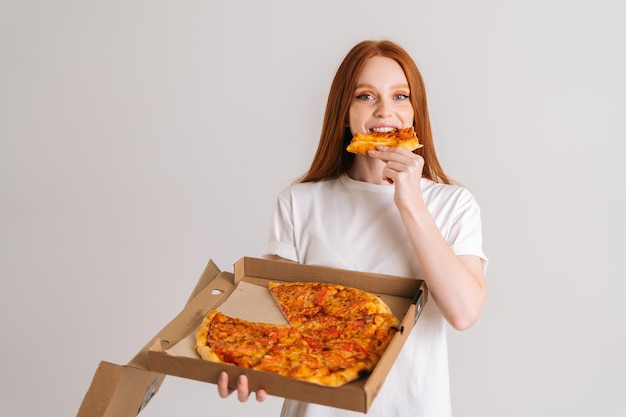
(335,334)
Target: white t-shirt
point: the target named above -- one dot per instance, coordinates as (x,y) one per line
(354,225)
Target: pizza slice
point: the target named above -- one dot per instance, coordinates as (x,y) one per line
(404,138)
(303,302)
(336,312)
(281,349)
(225,339)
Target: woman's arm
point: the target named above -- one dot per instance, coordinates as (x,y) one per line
(456,283)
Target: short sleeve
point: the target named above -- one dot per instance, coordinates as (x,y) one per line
(281,240)
(466,232)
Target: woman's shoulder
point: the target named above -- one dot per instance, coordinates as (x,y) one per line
(310,186)
(447,192)
(308,189)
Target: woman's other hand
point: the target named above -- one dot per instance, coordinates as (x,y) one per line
(243,390)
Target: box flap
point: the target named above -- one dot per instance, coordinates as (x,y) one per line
(218,285)
(119,391)
(290,271)
(123,391)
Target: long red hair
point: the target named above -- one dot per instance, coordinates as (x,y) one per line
(331,158)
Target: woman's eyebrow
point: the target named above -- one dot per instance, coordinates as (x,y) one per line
(393,87)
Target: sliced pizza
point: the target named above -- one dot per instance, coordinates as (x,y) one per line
(335,334)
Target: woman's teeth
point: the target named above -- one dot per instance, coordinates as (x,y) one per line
(382,129)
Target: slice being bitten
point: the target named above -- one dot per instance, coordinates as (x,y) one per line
(404,138)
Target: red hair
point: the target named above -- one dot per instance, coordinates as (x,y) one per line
(331,158)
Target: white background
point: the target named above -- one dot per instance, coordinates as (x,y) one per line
(142,138)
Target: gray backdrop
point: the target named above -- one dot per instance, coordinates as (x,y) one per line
(120,180)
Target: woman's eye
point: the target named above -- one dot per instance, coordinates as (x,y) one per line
(401,96)
(364,96)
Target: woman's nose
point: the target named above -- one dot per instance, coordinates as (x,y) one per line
(382,109)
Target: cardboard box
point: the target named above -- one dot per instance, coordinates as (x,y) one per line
(173,353)
(122,391)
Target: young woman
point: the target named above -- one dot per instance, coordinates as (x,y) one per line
(393,212)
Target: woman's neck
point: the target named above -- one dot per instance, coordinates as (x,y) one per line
(367,170)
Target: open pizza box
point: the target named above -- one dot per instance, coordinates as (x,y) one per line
(124,390)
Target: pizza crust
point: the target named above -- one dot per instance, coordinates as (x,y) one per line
(202,345)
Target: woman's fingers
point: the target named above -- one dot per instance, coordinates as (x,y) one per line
(243,389)
(222,385)
(261,394)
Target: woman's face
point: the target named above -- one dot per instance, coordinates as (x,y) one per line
(381,100)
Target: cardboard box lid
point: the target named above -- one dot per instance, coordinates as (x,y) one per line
(124,390)
(401,293)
